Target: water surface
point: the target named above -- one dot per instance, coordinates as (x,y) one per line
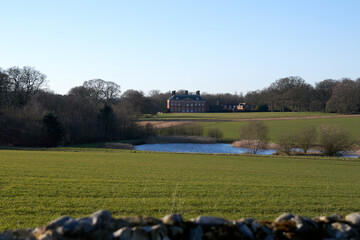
(198,148)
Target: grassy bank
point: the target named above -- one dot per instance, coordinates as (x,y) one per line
(38,186)
(276,127)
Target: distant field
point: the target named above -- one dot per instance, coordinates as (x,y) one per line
(276,127)
(38,186)
(231,116)
(278,122)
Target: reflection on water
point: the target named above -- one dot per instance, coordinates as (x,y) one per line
(211,148)
(198,148)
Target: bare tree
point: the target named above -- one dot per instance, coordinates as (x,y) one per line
(25,82)
(99,89)
(324,90)
(345,98)
(306,138)
(286,142)
(255,135)
(292,93)
(80,91)
(135,102)
(4,87)
(159,100)
(334,140)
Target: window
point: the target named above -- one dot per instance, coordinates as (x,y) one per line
(172,103)
(192,104)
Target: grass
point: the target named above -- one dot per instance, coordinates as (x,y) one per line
(38,186)
(228,124)
(230,116)
(276,127)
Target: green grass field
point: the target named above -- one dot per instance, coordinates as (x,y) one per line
(231,123)
(38,186)
(230,116)
(231,130)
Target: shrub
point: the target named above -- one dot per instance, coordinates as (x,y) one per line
(286,142)
(334,140)
(306,138)
(262,108)
(189,130)
(254,135)
(214,132)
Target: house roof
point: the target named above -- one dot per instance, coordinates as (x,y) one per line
(178,97)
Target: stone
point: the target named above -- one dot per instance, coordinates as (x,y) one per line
(336,217)
(23,234)
(305,225)
(159,231)
(58,222)
(214,221)
(245,230)
(176,231)
(330,219)
(101,218)
(354,219)
(284,217)
(70,227)
(101,225)
(139,234)
(260,231)
(172,219)
(47,235)
(151,221)
(196,233)
(85,225)
(341,231)
(120,223)
(141,221)
(122,234)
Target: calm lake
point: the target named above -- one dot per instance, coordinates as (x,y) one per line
(197,148)
(208,148)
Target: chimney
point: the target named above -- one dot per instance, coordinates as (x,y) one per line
(186,92)
(198,92)
(173,93)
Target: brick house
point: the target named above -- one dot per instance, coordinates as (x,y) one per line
(186,103)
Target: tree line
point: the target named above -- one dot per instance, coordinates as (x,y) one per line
(31,115)
(96,111)
(294,94)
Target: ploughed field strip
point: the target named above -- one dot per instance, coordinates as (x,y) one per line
(39,186)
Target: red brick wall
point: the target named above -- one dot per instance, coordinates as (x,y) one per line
(187,106)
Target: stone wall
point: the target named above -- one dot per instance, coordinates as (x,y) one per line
(101,225)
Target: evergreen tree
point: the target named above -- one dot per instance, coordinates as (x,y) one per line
(53,130)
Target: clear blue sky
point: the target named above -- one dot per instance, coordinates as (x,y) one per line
(212,46)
